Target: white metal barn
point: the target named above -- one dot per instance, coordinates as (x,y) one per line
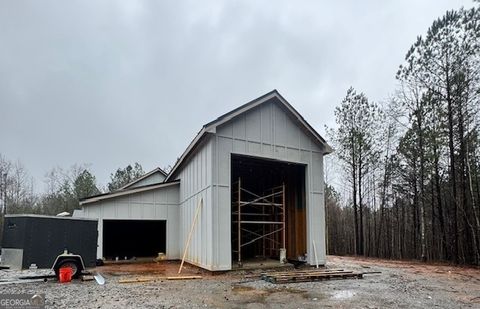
(255,177)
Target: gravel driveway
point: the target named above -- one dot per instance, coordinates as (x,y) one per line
(400,285)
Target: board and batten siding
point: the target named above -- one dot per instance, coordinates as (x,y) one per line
(196,185)
(266,131)
(156,204)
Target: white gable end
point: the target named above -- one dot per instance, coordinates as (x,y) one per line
(268,125)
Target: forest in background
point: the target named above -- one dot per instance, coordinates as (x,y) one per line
(410,167)
(64,187)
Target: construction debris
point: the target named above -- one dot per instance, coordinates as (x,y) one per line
(37,277)
(161,256)
(184,277)
(19,281)
(87,278)
(99,278)
(148,279)
(135,280)
(310,275)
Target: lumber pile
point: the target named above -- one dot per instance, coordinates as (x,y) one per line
(310,275)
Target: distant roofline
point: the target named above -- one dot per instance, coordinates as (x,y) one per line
(211,126)
(156,170)
(105,196)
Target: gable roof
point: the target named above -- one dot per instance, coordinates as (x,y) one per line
(105,196)
(211,127)
(157,170)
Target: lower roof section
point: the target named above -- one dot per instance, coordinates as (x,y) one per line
(106,196)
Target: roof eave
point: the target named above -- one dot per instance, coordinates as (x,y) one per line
(187,151)
(98,198)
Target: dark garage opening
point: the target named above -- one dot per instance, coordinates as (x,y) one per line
(133,238)
(264,177)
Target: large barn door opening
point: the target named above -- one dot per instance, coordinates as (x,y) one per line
(133,238)
(268,209)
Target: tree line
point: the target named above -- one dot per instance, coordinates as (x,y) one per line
(64,187)
(411,166)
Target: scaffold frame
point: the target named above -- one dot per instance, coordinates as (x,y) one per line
(259,217)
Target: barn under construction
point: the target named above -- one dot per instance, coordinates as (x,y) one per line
(251,180)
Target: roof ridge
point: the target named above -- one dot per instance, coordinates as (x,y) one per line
(207,128)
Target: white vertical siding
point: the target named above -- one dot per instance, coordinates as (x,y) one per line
(196,184)
(157,204)
(266,131)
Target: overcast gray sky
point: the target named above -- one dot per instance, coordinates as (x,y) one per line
(109,83)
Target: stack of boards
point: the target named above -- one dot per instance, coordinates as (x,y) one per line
(310,275)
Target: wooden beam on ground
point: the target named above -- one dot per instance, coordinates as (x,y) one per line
(135,280)
(184,277)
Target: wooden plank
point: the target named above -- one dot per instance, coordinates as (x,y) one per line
(314,278)
(197,212)
(135,280)
(184,277)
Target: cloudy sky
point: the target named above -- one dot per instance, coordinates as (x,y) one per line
(109,83)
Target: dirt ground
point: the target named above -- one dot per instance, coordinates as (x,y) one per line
(400,284)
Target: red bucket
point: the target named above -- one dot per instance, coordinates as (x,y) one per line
(65,274)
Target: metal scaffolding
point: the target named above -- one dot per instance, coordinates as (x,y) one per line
(259,217)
